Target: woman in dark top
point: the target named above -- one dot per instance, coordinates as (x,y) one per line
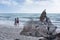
(16,21)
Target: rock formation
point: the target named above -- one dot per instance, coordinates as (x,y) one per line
(39,28)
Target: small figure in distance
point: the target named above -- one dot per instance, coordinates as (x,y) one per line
(16,21)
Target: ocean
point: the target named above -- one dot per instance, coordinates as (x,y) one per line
(8,18)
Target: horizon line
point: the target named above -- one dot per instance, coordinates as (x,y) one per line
(40,13)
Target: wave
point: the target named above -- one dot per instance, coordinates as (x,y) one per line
(55,18)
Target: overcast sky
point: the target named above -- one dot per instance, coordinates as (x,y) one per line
(29,6)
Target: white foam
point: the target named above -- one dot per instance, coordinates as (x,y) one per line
(10,24)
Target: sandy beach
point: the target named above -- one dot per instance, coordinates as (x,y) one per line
(13,33)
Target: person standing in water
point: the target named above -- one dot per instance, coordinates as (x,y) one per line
(16,21)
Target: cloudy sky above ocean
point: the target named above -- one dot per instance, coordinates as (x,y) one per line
(29,6)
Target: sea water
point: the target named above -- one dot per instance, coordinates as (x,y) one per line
(8,18)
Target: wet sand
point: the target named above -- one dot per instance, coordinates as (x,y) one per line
(13,33)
